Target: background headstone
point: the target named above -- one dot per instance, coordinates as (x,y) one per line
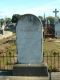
(2,28)
(57,30)
(29,40)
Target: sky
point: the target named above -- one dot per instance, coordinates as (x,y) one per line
(36,7)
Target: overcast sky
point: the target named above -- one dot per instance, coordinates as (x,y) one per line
(37,7)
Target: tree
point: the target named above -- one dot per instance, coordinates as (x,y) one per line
(1,21)
(15,18)
(51,28)
(7,20)
(51,19)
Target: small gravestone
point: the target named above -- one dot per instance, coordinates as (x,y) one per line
(2,28)
(57,29)
(29,39)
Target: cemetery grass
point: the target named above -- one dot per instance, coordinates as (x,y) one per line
(50,46)
(8,52)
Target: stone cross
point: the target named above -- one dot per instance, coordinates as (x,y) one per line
(29,40)
(55,12)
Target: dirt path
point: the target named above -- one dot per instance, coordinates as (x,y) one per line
(6,35)
(55,76)
(4,42)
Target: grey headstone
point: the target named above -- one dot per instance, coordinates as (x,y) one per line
(29,48)
(57,30)
(29,40)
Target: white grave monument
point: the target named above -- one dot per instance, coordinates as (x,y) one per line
(2,28)
(29,39)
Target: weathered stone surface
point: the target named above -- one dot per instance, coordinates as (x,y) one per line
(29,40)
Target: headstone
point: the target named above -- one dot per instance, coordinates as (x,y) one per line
(2,28)
(57,30)
(29,39)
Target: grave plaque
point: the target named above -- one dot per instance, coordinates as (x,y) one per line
(29,40)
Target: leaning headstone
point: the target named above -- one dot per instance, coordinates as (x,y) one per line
(29,39)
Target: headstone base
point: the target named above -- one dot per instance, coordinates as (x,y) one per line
(30,70)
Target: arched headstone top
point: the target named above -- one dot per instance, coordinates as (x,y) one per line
(31,20)
(30,17)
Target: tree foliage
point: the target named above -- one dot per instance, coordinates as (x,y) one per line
(51,19)
(1,21)
(50,29)
(7,20)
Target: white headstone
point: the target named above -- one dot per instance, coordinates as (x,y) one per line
(3,27)
(29,40)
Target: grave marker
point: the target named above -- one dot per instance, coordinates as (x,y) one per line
(57,29)
(29,39)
